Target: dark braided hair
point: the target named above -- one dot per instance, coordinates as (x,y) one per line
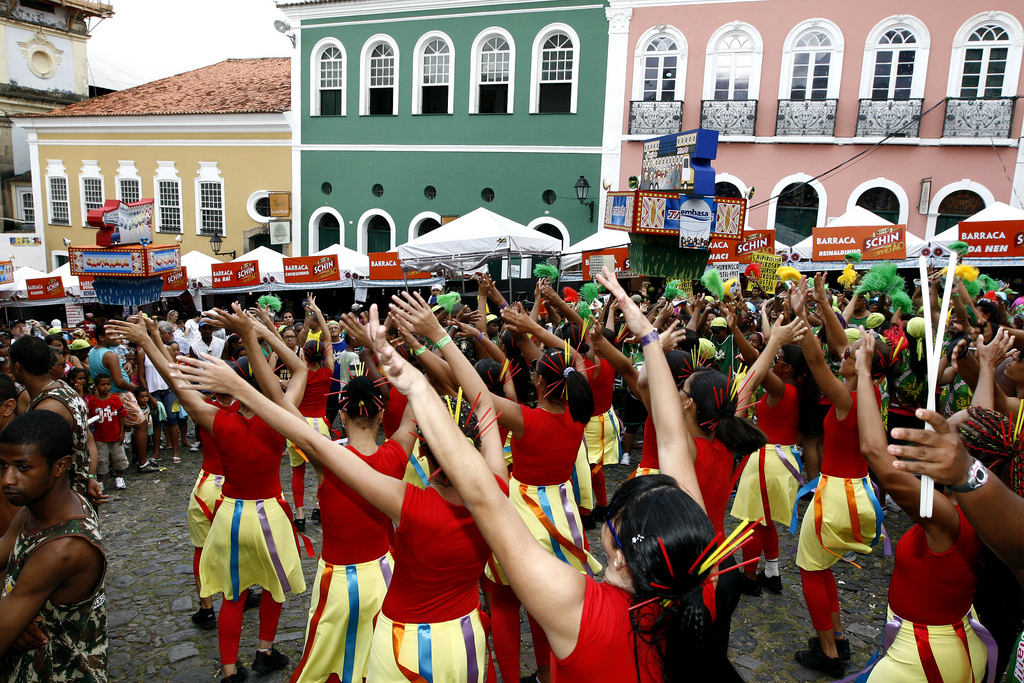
(566,383)
(989,436)
(360,399)
(314,352)
(716,412)
(573,333)
(490,372)
(467,420)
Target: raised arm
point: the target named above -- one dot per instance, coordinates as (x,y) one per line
(328,347)
(559,304)
(760,374)
(833,387)
(987,393)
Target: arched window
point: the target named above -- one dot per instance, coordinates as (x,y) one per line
(331,71)
(379,64)
(956,207)
(433,77)
(661,70)
(986,57)
(378,234)
(428,225)
(734,56)
(894,65)
(812,58)
(493,72)
(555,71)
(796,212)
(727,189)
(328,230)
(882,202)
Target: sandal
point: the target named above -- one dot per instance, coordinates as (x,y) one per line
(176,459)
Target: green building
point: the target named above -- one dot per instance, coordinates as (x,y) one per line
(406,111)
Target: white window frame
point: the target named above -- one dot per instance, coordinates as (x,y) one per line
(166,172)
(364,73)
(314,75)
(364,224)
(872,46)
(19,203)
(835,67)
(126,171)
(537,63)
(90,170)
(414,224)
(1013,58)
(313,228)
(640,54)
(417,70)
(474,75)
(55,169)
(209,173)
(890,185)
(54,264)
(795,178)
(250,206)
(757,57)
(936,202)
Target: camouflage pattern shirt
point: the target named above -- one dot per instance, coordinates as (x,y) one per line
(78,473)
(77,647)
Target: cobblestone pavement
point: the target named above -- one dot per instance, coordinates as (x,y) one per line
(151,593)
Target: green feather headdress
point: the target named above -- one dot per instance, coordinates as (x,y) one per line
(712,282)
(961,248)
(545,270)
(672,291)
(270,301)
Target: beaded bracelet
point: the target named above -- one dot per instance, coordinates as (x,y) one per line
(651,336)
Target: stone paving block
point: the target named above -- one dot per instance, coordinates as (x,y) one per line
(748,662)
(182,604)
(120,617)
(122,580)
(865,630)
(182,569)
(182,651)
(148,569)
(193,675)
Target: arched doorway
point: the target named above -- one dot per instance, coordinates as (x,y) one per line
(796,213)
(727,189)
(882,202)
(427,225)
(378,234)
(956,207)
(328,230)
(549,230)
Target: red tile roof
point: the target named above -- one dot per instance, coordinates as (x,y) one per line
(234,86)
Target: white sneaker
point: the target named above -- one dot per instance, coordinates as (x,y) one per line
(119,483)
(625,459)
(891,505)
(194,447)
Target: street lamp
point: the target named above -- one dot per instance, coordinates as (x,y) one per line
(215,243)
(582,188)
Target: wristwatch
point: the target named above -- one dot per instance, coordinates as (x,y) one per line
(976,478)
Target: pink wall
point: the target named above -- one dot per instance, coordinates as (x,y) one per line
(764,165)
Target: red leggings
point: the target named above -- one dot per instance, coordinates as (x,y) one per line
(766,540)
(229,624)
(195,561)
(600,490)
(506,633)
(299,484)
(821,596)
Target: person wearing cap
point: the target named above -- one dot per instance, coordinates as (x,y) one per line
(725,352)
(207,343)
(435,291)
(493,326)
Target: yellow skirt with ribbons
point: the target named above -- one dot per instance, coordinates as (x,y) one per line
(554,520)
(251,543)
(205,494)
(768,485)
(346,600)
(643,472)
(602,439)
(317,423)
(844,516)
(417,470)
(446,652)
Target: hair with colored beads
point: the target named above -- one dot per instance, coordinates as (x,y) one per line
(566,383)
(992,438)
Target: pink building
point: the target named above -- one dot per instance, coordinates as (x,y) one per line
(914,111)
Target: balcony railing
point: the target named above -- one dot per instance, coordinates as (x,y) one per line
(978,118)
(806,117)
(655,118)
(899,118)
(729,117)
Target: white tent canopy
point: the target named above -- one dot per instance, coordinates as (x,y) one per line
(67,279)
(348,259)
(18,286)
(997,212)
(472,240)
(270,262)
(602,239)
(199,266)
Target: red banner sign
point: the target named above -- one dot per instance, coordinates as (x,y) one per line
(593,261)
(875,243)
(993,238)
(176,280)
(722,250)
(384,265)
(242,274)
(311,269)
(45,288)
(755,242)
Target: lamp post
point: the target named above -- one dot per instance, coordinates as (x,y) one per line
(582,188)
(215,244)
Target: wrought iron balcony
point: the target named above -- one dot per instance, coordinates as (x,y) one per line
(978,118)
(655,118)
(806,117)
(729,117)
(899,118)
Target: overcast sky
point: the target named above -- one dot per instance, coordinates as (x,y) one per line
(157,38)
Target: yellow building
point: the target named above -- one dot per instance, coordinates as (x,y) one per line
(207,145)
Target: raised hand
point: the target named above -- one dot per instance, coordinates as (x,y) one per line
(996,351)
(207,373)
(940,454)
(413,312)
(636,321)
(356,331)
(866,352)
(236,321)
(400,374)
(133,329)
(789,334)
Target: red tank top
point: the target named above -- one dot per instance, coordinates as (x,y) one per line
(250,451)
(211,454)
(714,467)
(314,400)
(602,386)
(546,453)
(439,556)
(781,422)
(355,531)
(931,588)
(841,456)
(649,454)
(393,415)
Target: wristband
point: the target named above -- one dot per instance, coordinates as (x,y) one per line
(92,476)
(440,343)
(419,352)
(480,337)
(503,306)
(651,336)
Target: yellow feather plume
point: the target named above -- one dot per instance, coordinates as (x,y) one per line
(788,273)
(849,277)
(968,273)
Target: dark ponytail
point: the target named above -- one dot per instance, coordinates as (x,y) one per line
(573,333)
(490,372)
(716,412)
(314,352)
(565,381)
(360,400)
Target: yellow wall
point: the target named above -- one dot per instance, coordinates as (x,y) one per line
(244,169)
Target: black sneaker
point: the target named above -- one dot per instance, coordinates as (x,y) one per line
(772,583)
(148,467)
(253,598)
(532,678)
(300,524)
(240,675)
(842,646)
(265,662)
(589,522)
(816,660)
(205,619)
(750,586)
(315,515)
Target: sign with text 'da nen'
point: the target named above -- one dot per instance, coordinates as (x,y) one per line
(242,274)
(875,243)
(996,239)
(384,265)
(45,288)
(311,269)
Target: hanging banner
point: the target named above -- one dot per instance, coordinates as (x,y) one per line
(695,217)
(755,242)
(74,314)
(615,259)
(384,265)
(85,285)
(176,280)
(993,238)
(730,216)
(6,272)
(723,250)
(886,243)
(45,288)
(242,274)
(770,264)
(311,269)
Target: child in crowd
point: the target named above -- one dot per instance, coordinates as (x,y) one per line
(77,378)
(108,431)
